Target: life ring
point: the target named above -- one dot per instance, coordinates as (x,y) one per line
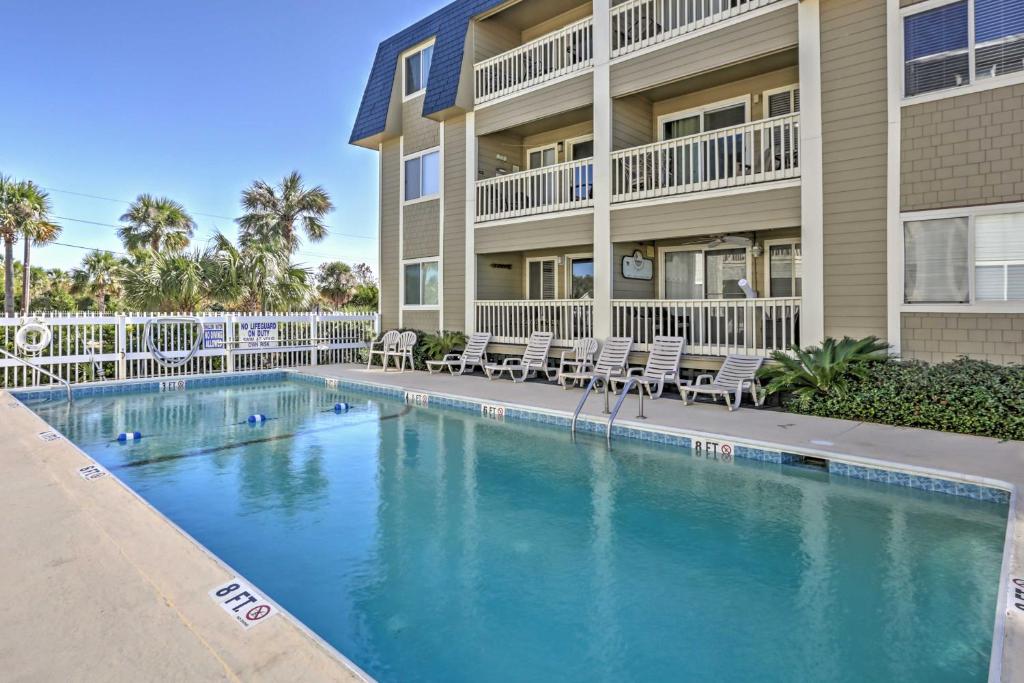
(37,327)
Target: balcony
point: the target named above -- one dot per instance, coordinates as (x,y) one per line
(559,187)
(757,152)
(711,327)
(637,24)
(565,51)
(512,322)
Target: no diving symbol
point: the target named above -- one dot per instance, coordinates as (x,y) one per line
(726,452)
(257,613)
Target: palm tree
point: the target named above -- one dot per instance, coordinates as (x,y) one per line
(169,281)
(156,223)
(277,215)
(258,277)
(9,232)
(336,281)
(35,226)
(98,277)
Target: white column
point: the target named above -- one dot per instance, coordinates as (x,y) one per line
(894,226)
(812,237)
(471,174)
(602,171)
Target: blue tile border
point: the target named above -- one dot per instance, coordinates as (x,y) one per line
(743,452)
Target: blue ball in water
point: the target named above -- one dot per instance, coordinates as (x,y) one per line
(253,419)
(129,436)
(341,407)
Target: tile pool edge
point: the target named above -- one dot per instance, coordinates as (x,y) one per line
(333,654)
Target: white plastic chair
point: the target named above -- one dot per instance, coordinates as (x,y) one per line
(387,344)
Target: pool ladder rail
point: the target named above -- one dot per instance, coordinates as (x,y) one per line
(37,368)
(614,412)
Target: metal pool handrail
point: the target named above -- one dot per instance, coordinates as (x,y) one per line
(618,404)
(41,369)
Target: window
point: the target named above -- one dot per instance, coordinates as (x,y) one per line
(965,259)
(711,159)
(582,278)
(782,102)
(422,176)
(784,269)
(417,67)
(695,274)
(421,284)
(540,275)
(939,48)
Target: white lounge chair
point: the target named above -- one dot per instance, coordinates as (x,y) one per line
(579,356)
(402,352)
(387,344)
(534,360)
(475,354)
(610,363)
(737,374)
(662,366)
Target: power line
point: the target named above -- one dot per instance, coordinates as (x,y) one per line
(79,246)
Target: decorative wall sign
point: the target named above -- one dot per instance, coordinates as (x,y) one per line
(241,601)
(637,267)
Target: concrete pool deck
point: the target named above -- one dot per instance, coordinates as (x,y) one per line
(971,458)
(97,585)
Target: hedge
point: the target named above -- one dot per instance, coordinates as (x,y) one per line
(965,396)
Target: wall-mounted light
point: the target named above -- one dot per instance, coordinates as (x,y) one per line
(756,250)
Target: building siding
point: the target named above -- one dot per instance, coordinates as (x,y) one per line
(556,98)
(747,39)
(963,151)
(541,233)
(421,229)
(749,211)
(453,269)
(941,337)
(419,133)
(390,196)
(854,163)
(632,119)
(426,321)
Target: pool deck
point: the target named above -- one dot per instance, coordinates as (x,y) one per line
(98,586)
(971,458)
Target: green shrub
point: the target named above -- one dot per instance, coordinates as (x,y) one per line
(825,370)
(437,346)
(965,396)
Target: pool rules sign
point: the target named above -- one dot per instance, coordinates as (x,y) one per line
(240,600)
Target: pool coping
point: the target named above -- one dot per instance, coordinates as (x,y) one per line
(1008,623)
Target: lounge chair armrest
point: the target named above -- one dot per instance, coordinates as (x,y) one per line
(451,356)
(704,379)
(513,361)
(634,371)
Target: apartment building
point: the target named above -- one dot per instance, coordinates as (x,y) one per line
(748,174)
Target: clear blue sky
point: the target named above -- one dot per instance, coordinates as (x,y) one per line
(192,99)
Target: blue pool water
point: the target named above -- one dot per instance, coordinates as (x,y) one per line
(432,545)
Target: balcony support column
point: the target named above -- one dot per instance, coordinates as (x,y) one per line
(812,219)
(603,265)
(471,173)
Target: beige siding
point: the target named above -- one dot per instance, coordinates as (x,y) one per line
(499,276)
(454,267)
(749,211)
(491,38)
(854,114)
(390,197)
(559,97)
(632,119)
(506,145)
(421,229)
(940,337)
(419,133)
(748,39)
(541,233)
(557,22)
(747,87)
(420,320)
(963,151)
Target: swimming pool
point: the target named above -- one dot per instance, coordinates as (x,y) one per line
(430,544)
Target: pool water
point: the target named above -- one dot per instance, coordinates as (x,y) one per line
(434,545)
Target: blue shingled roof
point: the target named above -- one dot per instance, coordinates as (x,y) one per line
(448,26)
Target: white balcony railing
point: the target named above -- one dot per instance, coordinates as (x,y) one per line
(556,54)
(711,327)
(512,322)
(637,24)
(756,152)
(541,190)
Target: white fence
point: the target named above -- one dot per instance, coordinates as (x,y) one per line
(513,321)
(637,24)
(551,56)
(711,327)
(756,152)
(88,347)
(559,187)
